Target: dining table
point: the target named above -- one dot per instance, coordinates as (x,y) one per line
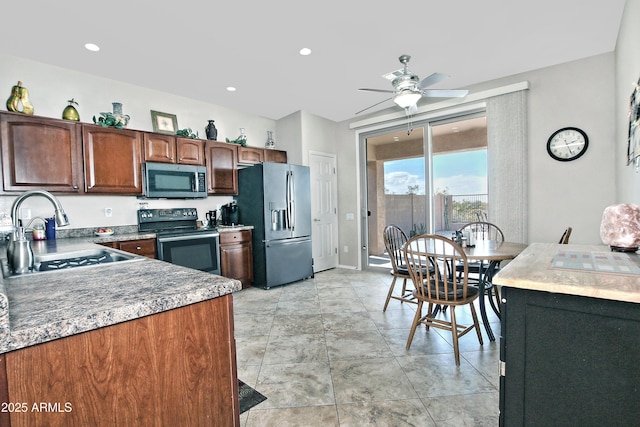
(491,253)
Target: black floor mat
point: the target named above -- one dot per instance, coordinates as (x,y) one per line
(249,397)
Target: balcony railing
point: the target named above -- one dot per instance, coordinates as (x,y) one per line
(450,211)
(466,208)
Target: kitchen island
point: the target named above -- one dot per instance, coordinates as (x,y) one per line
(570,341)
(139,342)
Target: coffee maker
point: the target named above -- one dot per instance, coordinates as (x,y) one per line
(230,214)
(212,218)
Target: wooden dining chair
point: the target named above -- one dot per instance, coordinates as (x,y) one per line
(482,230)
(564,240)
(440,285)
(394,241)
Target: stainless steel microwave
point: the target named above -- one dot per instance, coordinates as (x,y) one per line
(171,181)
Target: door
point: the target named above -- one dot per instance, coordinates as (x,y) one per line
(222,169)
(301,201)
(430,180)
(324,210)
(40,153)
(274,183)
(112,160)
(288,261)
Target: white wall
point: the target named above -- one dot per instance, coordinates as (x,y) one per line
(627,73)
(561,194)
(49,89)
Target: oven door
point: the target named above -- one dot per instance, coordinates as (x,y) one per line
(200,251)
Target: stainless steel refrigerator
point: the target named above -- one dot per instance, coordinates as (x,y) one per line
(275,198)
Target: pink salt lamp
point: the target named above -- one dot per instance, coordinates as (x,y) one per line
(620,227)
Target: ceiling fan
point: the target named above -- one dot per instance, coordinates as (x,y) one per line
(408,88)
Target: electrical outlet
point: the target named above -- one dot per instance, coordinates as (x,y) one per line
(350,216)
(108,212)
(346,249)
(25,213)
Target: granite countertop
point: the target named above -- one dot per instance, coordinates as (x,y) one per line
(40,307)
(533,269)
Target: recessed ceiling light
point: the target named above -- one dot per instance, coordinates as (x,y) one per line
(231,89)
(92,47)
(305,51)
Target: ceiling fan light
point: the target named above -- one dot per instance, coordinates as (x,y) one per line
(407,98)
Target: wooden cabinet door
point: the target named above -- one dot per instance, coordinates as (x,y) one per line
(276,156)
(222,167)
(112,159)
(250,155)
(236,256)
(159,148)
(40,153)
(190,151)
(174,368)
(143,247)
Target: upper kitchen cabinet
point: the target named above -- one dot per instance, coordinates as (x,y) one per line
(40,153)
(112,159)
(276,156)
(171,149)
(253,155)
(190,151)
(250,155)
(159,148)
(222,170)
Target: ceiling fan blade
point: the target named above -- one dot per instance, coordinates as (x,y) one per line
(445,93)
(431,80)
(374,105)
(378,90)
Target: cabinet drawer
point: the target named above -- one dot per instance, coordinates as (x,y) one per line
(230,237)
(146,247)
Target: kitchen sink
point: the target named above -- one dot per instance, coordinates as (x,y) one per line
(59,261)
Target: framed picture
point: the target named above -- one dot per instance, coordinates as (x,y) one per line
(164,122)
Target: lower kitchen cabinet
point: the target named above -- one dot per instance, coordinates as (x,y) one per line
(175,368)
(236,256)
(143,247)
(568,360)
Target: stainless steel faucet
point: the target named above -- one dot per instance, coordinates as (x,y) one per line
(19,252)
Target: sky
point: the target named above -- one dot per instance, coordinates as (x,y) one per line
(457,173)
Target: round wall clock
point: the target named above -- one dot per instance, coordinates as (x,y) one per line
(567,144)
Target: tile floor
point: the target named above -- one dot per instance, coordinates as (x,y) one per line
(325,354)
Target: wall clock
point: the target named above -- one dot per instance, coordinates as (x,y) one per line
(567,144)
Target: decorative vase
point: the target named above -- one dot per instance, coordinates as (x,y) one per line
(19,98)
(211,131)
(117,113)
(70,112)
(271,144)
(242,139)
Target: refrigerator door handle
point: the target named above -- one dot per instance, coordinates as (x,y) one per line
(291,222)
(293,202)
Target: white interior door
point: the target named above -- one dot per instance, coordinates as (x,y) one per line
(324,210)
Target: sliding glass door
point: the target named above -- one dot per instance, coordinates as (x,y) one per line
(430,180)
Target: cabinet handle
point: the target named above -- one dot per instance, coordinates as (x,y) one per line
(138,248)
(75,187)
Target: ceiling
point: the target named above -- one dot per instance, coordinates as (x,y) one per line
(197,49)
